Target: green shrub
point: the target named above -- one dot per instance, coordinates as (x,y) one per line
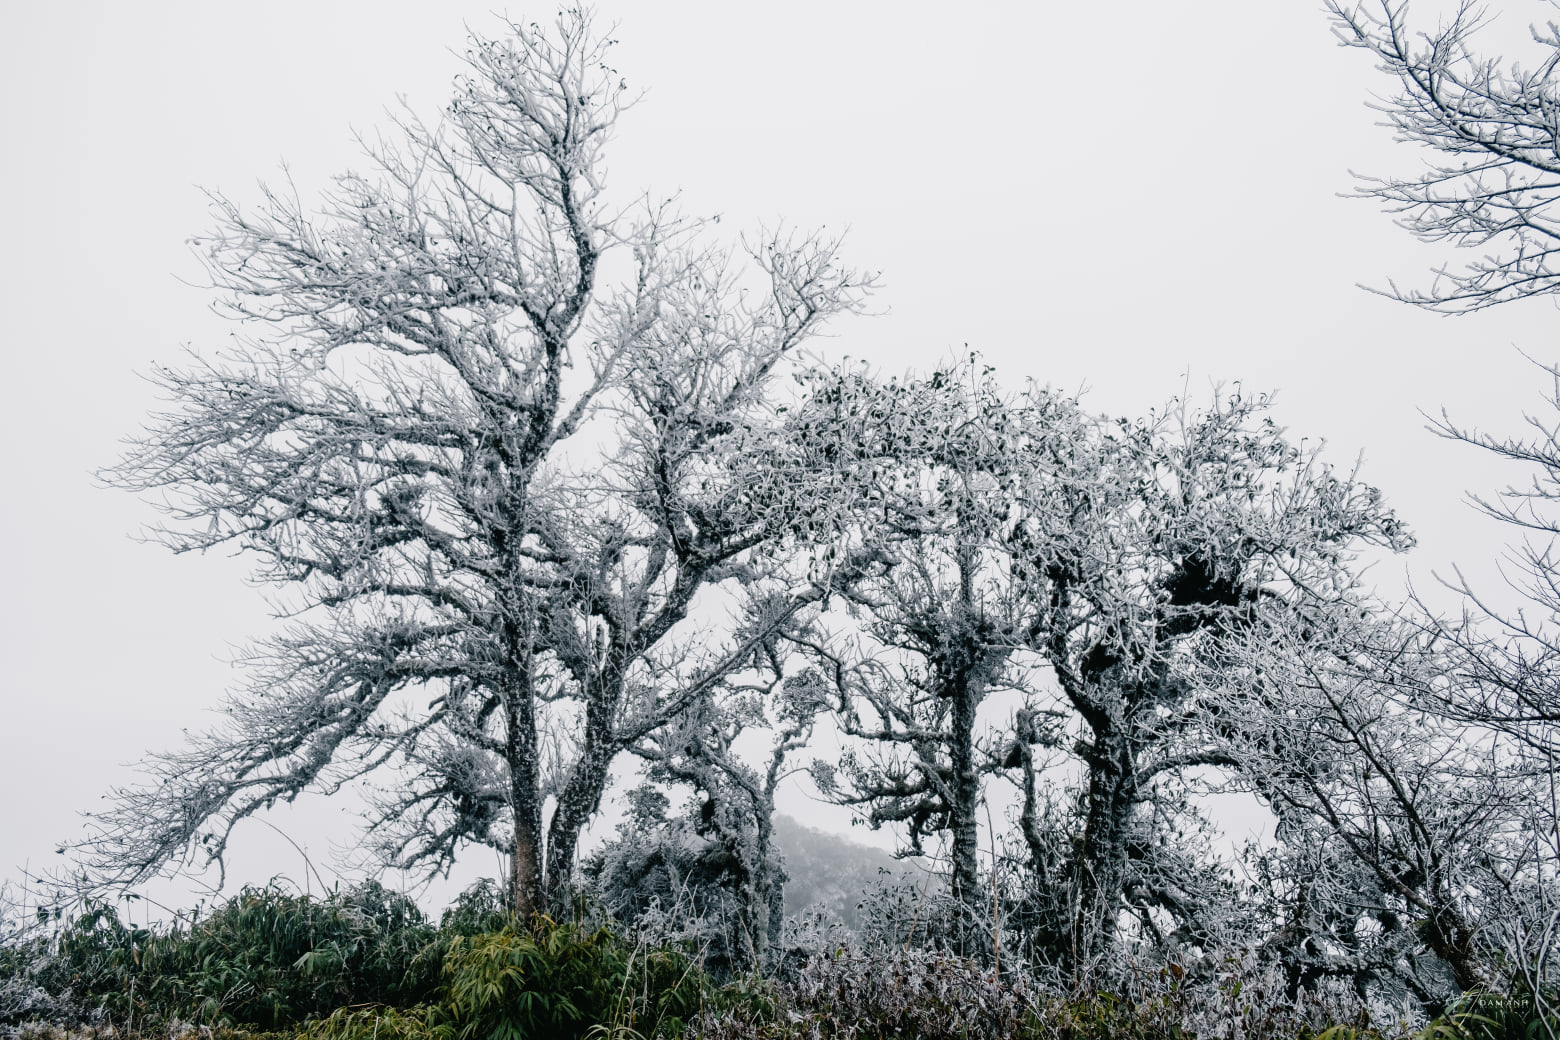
(96,963)
(423,1022)
(1517,1015)
(550,980)
(266,959)
(480,909)
(562,980)
(359,961)
(270,959)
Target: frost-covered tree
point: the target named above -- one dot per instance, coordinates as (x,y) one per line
(703,749)
(1489,180)
(1093,567)
(489,480)
(933,625)
(1405,832)
(1505,686)
(1492,182)
(1147,544)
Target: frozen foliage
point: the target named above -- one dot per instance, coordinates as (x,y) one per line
(896,993)
(482,974)
(1098,569)
(489,484)
(736,811)
(676,881)
(1489,127)
(1399,832)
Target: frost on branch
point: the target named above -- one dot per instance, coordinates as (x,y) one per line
(1493,129)
(1057,589)
(489,483)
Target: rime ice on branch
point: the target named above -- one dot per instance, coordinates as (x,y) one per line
(489,484)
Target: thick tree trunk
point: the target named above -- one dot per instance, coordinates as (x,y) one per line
(965,783)
(525,886)
(1102,875)
(769,908)
(581,795)
(775,898)
(579,801)
(518,628)
(1449,934)
(966,661)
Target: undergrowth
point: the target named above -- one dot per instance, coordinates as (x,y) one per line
(364,964)
(266,958)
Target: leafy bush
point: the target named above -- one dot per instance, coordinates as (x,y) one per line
(1520,1014)
(271,959)
(363,961)
(265,958)
(479,909)
(560,980)
(87,969)
(550,980)
(423,1022)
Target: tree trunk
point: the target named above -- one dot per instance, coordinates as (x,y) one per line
(581,795)
(525,886)
(775,898)
(965,783)
(967,660)
(575,808)
(769,909)
(1102,874)
(1448,933)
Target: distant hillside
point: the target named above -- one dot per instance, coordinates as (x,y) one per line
(830,869)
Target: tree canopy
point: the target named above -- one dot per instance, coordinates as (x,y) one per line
(491,483)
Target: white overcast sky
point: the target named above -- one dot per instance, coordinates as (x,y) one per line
(1133,197)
